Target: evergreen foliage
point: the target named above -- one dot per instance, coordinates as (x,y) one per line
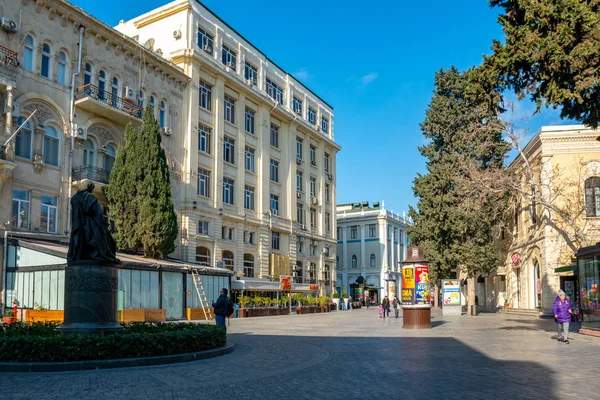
(139,193)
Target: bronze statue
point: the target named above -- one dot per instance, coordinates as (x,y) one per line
(90,238)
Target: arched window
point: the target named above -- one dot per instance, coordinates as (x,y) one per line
(23,140)
(162,116)
(115,91)
(372,261)
(153,105)
(249,265)
(50,146)
(45,69)
(354,262)
(203,255)
(592,196)
(101,84)
(89,154)
(61,69)
(227,258)
(28,53)
(141,99)
(88,74)
(109,158)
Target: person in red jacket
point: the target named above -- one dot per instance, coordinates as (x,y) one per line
(562,316)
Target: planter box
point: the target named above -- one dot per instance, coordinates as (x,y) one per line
(142,315)
(198,313)
(44,315)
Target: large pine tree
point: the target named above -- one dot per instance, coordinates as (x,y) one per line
(139,193)
(453,225)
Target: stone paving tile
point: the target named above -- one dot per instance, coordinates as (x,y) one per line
(352,355)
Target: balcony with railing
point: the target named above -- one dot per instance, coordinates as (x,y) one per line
(103,103)
(8,66)
(96,175)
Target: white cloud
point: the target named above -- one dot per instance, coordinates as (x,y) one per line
(301,74)
(368,78)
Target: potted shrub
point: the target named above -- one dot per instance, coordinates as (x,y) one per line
(324,303)
(9,317)
(336,300)
(244,301)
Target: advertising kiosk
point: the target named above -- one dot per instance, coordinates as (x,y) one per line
(416,291)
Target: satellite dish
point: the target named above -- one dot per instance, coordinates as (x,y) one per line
(149,44)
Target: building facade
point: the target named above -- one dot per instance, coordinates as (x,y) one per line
(251,150)
(538,260)
(372,242)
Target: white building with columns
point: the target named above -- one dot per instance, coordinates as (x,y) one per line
(372,242)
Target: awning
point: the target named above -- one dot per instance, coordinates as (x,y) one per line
(567,268)
(261,285)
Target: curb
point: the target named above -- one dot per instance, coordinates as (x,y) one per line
(117,363)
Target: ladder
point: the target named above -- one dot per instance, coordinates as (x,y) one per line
(201,295)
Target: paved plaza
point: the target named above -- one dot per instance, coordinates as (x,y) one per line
(353,355)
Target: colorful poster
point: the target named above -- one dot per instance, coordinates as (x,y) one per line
(408,285)
(451,291)
(391,289)
(422,292)
(408,296)
(286,282)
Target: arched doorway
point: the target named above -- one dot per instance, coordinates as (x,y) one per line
(537,284)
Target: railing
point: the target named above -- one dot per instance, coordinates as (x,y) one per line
(2,152)
(94,174)
(106,97)
(8,58)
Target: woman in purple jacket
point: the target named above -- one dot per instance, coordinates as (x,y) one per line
(562,316)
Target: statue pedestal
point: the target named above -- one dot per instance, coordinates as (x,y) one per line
(416,316)
(91,298)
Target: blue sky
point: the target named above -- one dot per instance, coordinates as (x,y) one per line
(374,62)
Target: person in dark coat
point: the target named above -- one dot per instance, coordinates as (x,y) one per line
(395,304)
(562,316)
(90,238)
(220,307)
(386,307)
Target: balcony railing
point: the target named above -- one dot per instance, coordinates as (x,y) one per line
(94,174)
(111,100)
(8,58)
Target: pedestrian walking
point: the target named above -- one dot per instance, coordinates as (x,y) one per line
(380,311)
(350,303)
(367,301)
(562,316)
(222,308)
(395,304)
(386,307)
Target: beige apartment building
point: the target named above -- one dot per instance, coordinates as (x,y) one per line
(537,260)
(251,150)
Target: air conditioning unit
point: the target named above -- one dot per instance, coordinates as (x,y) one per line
(301,239)
(8,25)
(177,34)
(250,82)
(206,48)
(80,132)
(325,250)
(303,227)
(298,160)
(315,243)
(130,93)
(166,130)
(315,201)
(298,194)
(230,64)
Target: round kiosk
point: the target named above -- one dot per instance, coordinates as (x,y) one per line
(416,292)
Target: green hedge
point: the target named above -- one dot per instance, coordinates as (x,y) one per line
(41,343)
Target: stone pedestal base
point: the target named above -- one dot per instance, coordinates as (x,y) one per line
(416,317)
(91,299)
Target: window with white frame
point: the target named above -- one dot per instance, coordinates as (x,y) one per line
(354,232)
(328,222)
(205,92)
(46,65)
(274,204)
(592,196)
(326,165)
(249,159)
(203,256)
(313,186)
(275,240)
(313,155)
(28,53)
(313,218)
(229,109)
(228,57)
(205,41)
(312,273)
(274,170)
(20,209)
(299,181)
(204,138)
(248,237)
(249,123)
(23,139)
(89,153)
(327,193)
(354,261)
(88,74)
(227,257)
(312,116)
(274,91)
(227,233)
(153,105)
(299,143)
(229,150)
(101,84)
(300,213)
(50,146)
(61,68)
(228,190)
(274,135)
(298,269)
(203,182)
(297,105)
(203,228)
(372,230)
(49,214)
(372,261)
(109,158)
(115,93)
(324,124)
(249,197)
(248,265)
(250,73)
(162,114)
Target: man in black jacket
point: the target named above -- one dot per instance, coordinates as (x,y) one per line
(220,307)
